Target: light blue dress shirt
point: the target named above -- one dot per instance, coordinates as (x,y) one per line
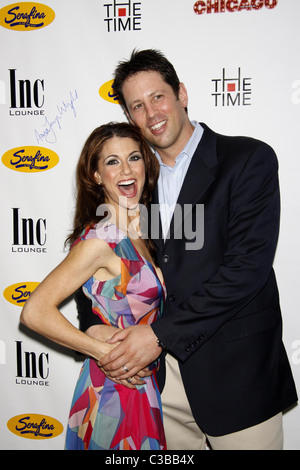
(171,178)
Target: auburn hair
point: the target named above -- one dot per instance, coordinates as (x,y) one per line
(89,193)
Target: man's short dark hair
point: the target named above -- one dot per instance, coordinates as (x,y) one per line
(145,61)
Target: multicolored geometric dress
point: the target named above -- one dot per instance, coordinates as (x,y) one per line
(105,415)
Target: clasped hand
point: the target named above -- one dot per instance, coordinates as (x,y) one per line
(129,360)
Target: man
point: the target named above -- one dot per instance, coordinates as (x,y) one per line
(227,373)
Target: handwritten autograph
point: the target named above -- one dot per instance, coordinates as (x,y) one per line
(49,134)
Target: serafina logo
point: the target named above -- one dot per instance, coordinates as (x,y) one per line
(18,293)
(26,16)
(35,426)
(31,159)
(107,92)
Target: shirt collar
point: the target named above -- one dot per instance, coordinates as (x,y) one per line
(190,146)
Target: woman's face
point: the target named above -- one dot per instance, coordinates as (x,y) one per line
(121,171)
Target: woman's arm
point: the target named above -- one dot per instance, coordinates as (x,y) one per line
(41,312)
(102,332)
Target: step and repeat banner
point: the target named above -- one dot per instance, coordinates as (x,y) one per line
(239,60)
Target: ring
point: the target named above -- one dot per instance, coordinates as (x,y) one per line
(129,380)
(125,368)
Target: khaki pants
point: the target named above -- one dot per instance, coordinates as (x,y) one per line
(182,433)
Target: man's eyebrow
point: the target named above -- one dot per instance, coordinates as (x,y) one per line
(152,93)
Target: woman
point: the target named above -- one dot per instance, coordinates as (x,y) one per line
(115,267)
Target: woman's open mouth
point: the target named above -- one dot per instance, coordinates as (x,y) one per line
(128,188)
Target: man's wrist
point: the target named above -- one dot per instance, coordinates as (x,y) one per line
(160,344)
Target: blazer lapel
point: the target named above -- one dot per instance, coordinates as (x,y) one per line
(198,179)
(155,222)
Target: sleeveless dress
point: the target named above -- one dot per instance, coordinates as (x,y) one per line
(105,415)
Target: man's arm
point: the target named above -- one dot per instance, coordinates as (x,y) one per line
(86,316)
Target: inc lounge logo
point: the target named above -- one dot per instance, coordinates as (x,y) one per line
(122,16)
(28,234)
(26,96)
(26,16)
(232,90)
(232,6)
(32,368)
(35,426)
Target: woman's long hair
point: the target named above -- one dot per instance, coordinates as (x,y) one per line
(89,193)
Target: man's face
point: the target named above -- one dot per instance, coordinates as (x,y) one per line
(155,109)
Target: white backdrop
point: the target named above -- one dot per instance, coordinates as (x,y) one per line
(239,60)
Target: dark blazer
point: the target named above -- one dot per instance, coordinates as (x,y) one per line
(222,318)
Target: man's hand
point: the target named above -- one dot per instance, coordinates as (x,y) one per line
(129,383)
(105,332)
(137,349)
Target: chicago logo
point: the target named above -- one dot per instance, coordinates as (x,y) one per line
(107,92)
(31,159)
(221,6)
(18,293)
(26,16)
(35,426)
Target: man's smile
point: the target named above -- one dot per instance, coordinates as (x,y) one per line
(157,127)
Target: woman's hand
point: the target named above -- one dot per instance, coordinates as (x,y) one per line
(136,348)
(104,333)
